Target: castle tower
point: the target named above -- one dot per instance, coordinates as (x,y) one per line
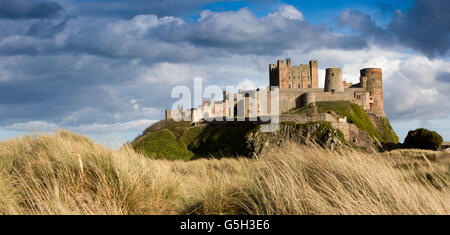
(373,82)
(333,80)
(314,73)
(168,114)
(285,75)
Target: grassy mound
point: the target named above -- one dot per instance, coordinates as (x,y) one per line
(167,140)
(179,140)
(356,115)
(162,144)
(68,174)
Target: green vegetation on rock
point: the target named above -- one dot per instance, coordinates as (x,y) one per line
(162,144)
(388,133)
(222,140)
(180,140)
(383,132)
(168,140)
(177,128)
(190,134)
(423,139)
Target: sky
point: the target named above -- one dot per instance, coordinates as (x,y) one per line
(106,69)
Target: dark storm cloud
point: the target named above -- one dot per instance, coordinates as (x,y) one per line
(173,39)
(71,89)
(130,8)
(425,27)
(26,9)
(47,28)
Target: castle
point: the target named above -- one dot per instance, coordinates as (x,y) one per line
(298,87)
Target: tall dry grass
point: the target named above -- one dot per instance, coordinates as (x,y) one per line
(69,174)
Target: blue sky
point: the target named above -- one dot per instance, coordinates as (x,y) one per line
(106,68)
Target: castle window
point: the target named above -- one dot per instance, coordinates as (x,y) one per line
(332,74)
(289,85)
(298,85)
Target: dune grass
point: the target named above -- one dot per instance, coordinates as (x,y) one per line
(66,173)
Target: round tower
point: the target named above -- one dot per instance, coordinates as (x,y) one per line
(333,80)
(374,85)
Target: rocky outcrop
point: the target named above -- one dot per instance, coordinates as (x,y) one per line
(321,133)
(355,135)
(328,124)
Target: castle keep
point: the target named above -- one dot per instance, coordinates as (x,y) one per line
(298,87)
(284,75)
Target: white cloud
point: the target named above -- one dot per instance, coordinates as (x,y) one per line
(414,92)
(171,73)
(246,85)
(138,125)
(289,12)
(32,126)
(95,128)
(140,25)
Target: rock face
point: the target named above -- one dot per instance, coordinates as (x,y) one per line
(355,135)
(357,125)
(321,133)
